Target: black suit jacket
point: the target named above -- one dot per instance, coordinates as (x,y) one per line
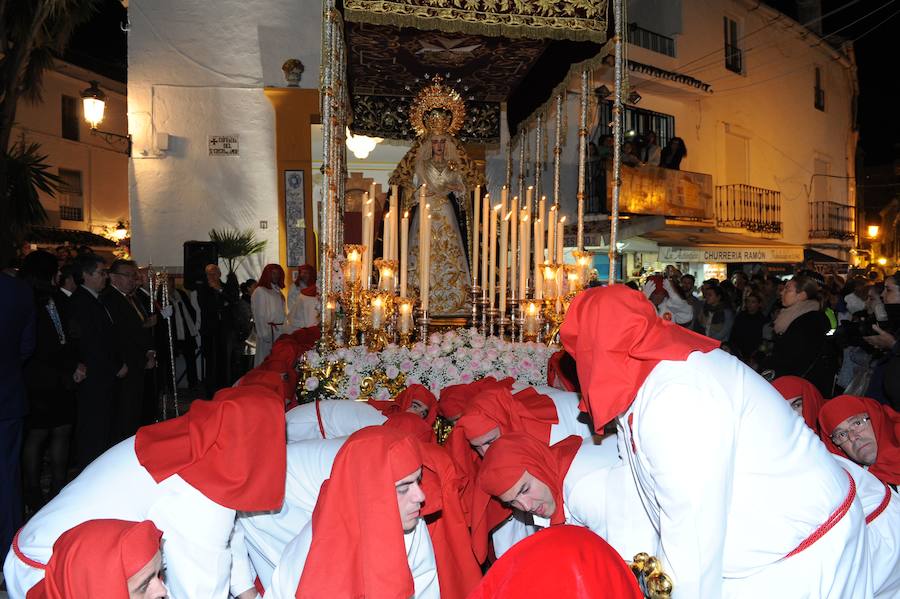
(94,336)
(133,338)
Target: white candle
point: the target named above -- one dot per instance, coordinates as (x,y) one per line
(386,237)
(426,277)
(328,318)
(485,218)
(395,214)
(529,195)
(404,323)
(423,227)
(404,252)
(531,319)
(538,259)
(523,256)
(377,313)
(476,205)
(514,244)
(539,248)
(551,231)
(492,274)
(504,257)
(560,229)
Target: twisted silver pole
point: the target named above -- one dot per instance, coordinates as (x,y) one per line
(166,302)
(618,15)
(582,157)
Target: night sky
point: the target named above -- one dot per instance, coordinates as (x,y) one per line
(102,46)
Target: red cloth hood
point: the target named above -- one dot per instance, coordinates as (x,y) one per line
(792,387)
(555,376)
(410,424)
(310,290)
(270,379)
(404,400)
(511,455)
(232,449)
(268,274)
(96,559)
(616,339)
(455,398)
(357,546)
(885,422)
(493,407)
(583,566)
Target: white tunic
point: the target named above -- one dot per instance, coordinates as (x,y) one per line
(567,412)
(340,418)
(419,556)
(195,529)
(267,306)
(266,534)
(303,310)
(734,482)
(883,529)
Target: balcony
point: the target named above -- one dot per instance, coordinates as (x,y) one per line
(651,40)
(831,220)
(71,213)
(753,209)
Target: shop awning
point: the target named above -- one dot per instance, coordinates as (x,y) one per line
(679,243)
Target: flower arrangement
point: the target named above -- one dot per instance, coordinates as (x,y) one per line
(449,358)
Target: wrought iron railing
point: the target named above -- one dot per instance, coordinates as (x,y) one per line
(71,213)
(831,220)
(651,40)
(755,209)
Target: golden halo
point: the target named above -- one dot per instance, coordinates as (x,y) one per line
(437,96)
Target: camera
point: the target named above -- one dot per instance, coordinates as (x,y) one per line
(851,332)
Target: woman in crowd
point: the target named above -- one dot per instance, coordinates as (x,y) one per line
(800,344)
(718,318)
(885,383)
(746,335)
(673,153)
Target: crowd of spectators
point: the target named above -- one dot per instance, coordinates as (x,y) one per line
(840,334)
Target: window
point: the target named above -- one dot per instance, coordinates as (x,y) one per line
(734,57)
(650,40)
(71,199)
(819,96)
(640,122)
(70,118)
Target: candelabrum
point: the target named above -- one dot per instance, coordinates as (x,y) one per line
(352,292)
(377,309)
(513,302)
(531,319)
(424,322)
(483,303)
(329,342)
(387,274)
(475,299)
(583,262)
(405,324)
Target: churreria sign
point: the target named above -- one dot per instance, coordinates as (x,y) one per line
(710,254)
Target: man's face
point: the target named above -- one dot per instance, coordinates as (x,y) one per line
(797,405)
(410,499)
(418,408)
(856,437)
(658,296)
(213,274)
(687,284)
(482,442)
(710,296)
(96,280)
(147,582)
(530,495)
(278,278)
(125,279)
(751,304)
(891,293)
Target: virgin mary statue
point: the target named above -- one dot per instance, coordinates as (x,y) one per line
(437,164)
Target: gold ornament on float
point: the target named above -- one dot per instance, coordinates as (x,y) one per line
(437,108)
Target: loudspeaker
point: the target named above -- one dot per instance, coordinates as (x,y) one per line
(197,254)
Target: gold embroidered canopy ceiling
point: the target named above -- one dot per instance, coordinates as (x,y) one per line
(576,20)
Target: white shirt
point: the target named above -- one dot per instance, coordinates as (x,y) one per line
(266,534)
(340,418)
(303,310)
(195,529)
(733,482)
(567,412)
(419,556)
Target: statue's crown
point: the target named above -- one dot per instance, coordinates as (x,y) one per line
(437,108)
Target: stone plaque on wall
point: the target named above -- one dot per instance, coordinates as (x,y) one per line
(295,217)
(223,145)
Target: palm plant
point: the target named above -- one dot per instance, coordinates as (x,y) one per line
(235,245)
(27,174)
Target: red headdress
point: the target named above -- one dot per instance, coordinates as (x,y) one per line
(455,398)
(270,379)
(410,424)
(792,387)
(885,423)
(496,407)
(357,546)
(562,561)
(96,559)
(231,449)
(616,339)
(511,455)
(404,400)
(311,290)
(268,274)
(556,377)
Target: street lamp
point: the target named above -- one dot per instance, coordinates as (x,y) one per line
(94,101)
(872,231)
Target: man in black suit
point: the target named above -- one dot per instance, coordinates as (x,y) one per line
(134,332)
(93,333)
(17,340)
